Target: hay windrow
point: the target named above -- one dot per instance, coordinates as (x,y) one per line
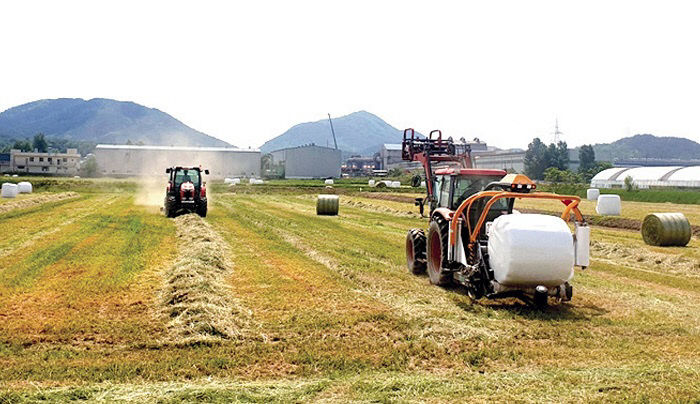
(196,300)
(35,200)
(642,258)
(378,208)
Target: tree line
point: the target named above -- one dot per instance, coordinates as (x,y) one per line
(551,162)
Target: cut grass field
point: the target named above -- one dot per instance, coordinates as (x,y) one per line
(327,311)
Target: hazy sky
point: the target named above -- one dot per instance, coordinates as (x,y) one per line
(247,71)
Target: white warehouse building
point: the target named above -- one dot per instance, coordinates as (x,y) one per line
(132,160)
(647,177)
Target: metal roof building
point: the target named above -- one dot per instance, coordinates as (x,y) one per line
(133,160)
(646,177)
(308,161)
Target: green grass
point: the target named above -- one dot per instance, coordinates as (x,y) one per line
(332,314)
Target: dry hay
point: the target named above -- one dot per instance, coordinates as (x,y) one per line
(613,222)
(389,197)
(378,208)
(644,258)
(196,298)
(35,200)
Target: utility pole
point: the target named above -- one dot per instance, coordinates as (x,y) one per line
(333,132)
(557,133)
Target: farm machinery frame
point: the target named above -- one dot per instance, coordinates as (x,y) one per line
(465,203)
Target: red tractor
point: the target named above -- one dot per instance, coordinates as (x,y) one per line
(186,191)
(477,240)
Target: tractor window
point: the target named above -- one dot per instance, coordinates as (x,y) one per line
(444,201)
(187,176)
(468,186)
(436,188)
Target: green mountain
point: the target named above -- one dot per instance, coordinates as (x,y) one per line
(648,146)
(100,120)
(357,133)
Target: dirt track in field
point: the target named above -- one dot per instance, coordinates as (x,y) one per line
(604,221)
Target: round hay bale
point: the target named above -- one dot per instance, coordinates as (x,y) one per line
(327,205)
(24,187)
(396,184)
(609,205)
(9,190)
(422,184)
(371,183)
(592,194)
(381,184)
(328,182)
(666,229)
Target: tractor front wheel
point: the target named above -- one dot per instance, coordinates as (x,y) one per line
(415,251)
(437,252)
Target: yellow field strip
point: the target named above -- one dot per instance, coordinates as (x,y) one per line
(33,200)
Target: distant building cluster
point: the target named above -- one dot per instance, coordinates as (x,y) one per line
(514,160)
(34,162)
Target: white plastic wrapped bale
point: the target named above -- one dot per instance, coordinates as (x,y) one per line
(528,250)
(592,194)
(257,182)
(422,184)
(228,180)
(609,205)
(371,183)
(24,187)
(9,190)
(395,184)
(328,182)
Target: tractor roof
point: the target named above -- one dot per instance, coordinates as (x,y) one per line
(471,171)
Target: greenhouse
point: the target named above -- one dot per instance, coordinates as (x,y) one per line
(647,177)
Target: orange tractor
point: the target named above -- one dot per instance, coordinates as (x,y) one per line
(476,239)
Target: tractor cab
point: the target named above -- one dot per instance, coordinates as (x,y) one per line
(453,186)
(186,191)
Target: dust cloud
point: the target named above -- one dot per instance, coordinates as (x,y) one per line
(151,191)
(146,166)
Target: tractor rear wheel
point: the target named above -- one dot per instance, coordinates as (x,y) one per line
(168,210)
(202,211)
(415,251)
(437,252)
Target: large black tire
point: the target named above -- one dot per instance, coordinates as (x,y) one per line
(202,210)
(541,300)
(437,252)
(168,210)
(415,251)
